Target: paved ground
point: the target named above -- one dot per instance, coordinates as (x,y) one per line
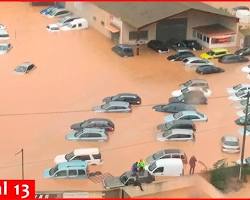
(75,70)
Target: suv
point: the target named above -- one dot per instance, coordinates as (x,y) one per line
(123,50)
(128,97)
(214,53)
(167,153)
(126,179)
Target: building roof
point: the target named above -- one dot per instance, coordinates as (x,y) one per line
(140,14)
(214,30)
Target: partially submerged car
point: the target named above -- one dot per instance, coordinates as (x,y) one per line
(126,179)
(158,46)
(76,24)
(175,135)
(5,48)
(131,98)
(190,44)
(195,61)
(208,69)
(114,106)
(25,68)
(177,124)
(179,56)
(214,53)
(173,107)
(232,58)
(102,123)
(187,115)
(195,83)
(239,88)
(207,92)
(123,50)
(230,144)
(88,134)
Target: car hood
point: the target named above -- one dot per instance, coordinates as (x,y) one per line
(60,159)
(112,182)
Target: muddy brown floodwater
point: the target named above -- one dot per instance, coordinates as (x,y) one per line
(75,70)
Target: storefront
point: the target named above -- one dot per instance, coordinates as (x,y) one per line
(214,36)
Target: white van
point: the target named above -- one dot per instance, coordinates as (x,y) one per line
(76,24)
(91,155)
(166,167)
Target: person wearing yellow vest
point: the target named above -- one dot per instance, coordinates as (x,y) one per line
(141,165)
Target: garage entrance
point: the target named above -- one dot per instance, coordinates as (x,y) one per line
(171,30)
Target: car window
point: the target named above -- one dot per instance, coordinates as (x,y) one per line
(81,172)
(193,117)
(184,136)
(83,157)
(166,156)
(92,135)
(159,170)
(176,156)
(61,173)
(79,25)
(72,173)
(97,156)
(173,136)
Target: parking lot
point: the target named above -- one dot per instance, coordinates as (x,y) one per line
(75,70)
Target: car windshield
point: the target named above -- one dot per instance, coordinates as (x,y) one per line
(123,179)
(240,93)
(187,83)
(166,133)
(231,143)
(158,155)
(210,53)
(53,170)
(69,156)
(177,115)
(236,87)
(152,166)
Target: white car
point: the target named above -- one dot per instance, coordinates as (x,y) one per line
(53,28)
(241,130)
(4,35)
(176,135)
(206,92)
(5,48)
(186,115)
(59,12)
(238,96)
(230,144)
(246,69)
(195,61)
(238,87)
(75,25)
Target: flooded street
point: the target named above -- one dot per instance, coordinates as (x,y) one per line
(75,71)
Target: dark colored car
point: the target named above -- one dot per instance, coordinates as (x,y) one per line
(106,124)
(173,107)
(158,46)
(133,99)
(243,52)
(123,50)
(241,120)
(208,69)
(177,124)
(189,44)
(233,58)
(192,97)
(179,56)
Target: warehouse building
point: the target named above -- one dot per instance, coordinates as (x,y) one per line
(138,22)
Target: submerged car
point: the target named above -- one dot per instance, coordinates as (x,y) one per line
(240,95)
(195,61)
(25,68)
(177,124)
(176,135)
(106,124)
(167,153)
(190,44)
(123,50)
(186,115)
(5,48)
(179,56)
(238,88)
(192,97)
(195,83)
(126,179)
(214,53)
(205,91)
(131,98)
(232,58)
(230,144)
(71,169)
(208,69)
(114,106)
(243,52)
(173,107)
(158,46)
(88,134)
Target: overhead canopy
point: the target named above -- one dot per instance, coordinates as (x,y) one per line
(214,30)
(140,14)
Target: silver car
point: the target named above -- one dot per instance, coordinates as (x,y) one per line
(230,144)
(114,106)
(88,134)
(176,135)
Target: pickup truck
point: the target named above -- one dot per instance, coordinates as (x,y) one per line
(127,179)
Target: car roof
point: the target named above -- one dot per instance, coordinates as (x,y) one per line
(118,103)
(216,50)
(84,151)
(231,138)
(177,131)
(74,164)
